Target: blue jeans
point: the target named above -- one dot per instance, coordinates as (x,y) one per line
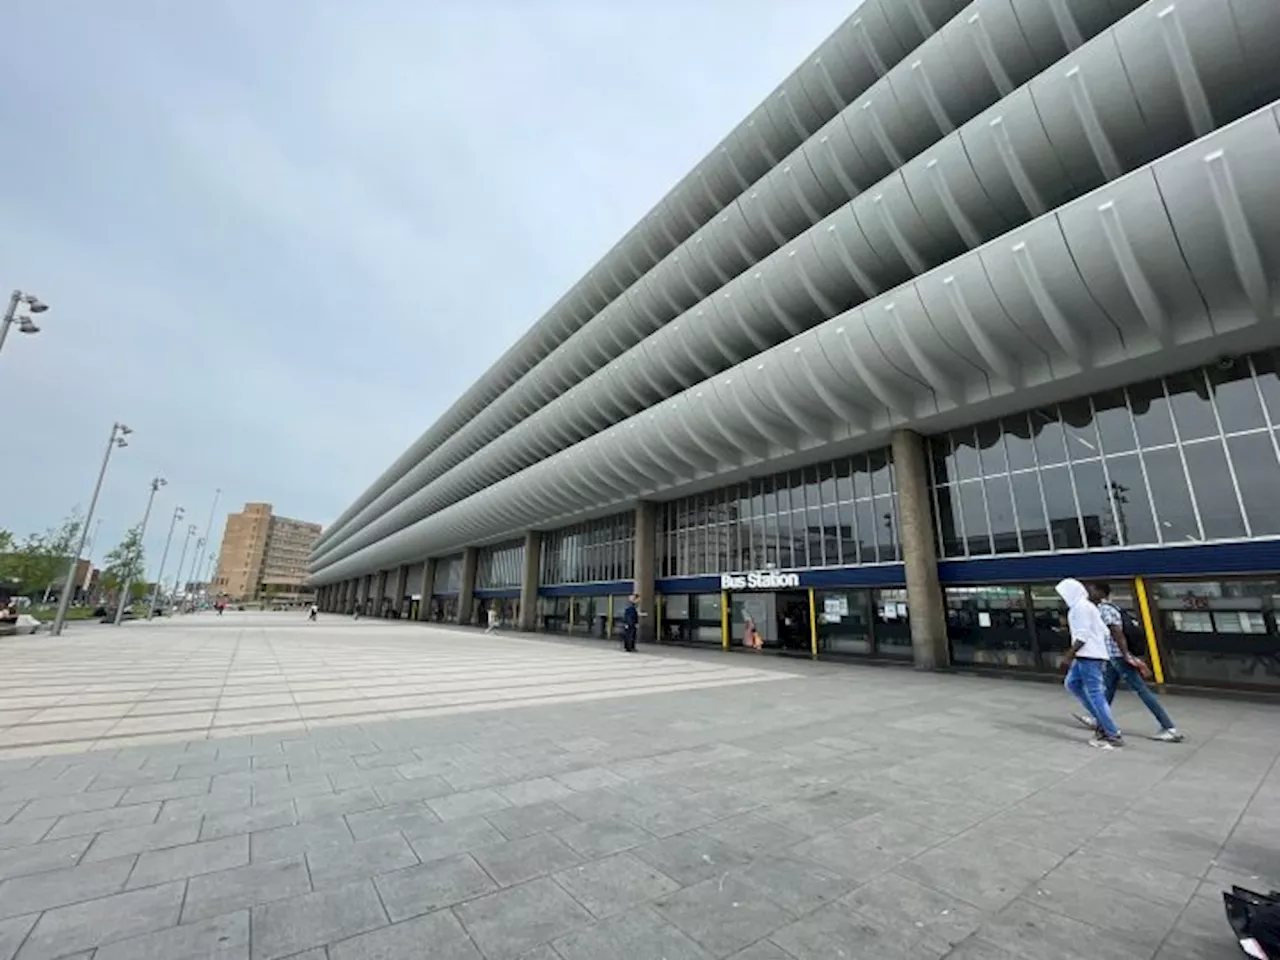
(1087,682)
(1121,670)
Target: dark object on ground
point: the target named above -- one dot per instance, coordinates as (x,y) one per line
(109,616)
(1255,918)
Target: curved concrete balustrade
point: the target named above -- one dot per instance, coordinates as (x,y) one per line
(874,38)
(1162,268)
(989,48)
(1028,154)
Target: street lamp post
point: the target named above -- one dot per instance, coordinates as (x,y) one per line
(88,555)
(207,527)
(118,433)
(156,484)
(25,323)
(194,573)
(164,558)
(191,530)
(208,571)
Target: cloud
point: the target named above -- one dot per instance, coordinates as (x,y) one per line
(280,239)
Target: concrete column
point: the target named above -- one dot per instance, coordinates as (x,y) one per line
(920,555)
(402,583)
(379,593)
(362,592)
(467,591)
(529,578)
(347,597)
(426,587)
(646,539)
(325,595)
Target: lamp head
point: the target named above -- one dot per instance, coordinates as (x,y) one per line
(34,303)
(26,325)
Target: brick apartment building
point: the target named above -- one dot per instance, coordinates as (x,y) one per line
(264,556)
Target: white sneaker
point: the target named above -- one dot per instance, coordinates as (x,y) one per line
(1087,722)
(1169,736)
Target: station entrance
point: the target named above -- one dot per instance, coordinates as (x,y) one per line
(779,621)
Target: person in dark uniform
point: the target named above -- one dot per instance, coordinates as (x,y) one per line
(630,624)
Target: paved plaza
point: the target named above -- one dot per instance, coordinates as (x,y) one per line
(255,787)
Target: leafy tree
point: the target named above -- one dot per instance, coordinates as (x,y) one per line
(39,560)
(126,561)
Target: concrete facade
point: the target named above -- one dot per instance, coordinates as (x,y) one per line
(981,213)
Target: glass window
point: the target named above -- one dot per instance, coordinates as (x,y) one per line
(880,471)
(786,542)
(816,540)
(949,529)
(1050,439)
(1236,396)
(865,517)
(708,606)
(988,626)
(886,529)
(965,457)
(1017,442)
(1004,531)
(1064,522)
(1254,459)
(1151,413)
(812,490)
(827,483)
(973,511)
(1172,502)
(1082,435)
(861,477)
(676,606)
(844,480)
(991,449)
(940,458)
(1115,425)
(1128,491)
(1221,632)
(1095,505)
(1215,494)
(844,621)
(1030,512)
(891,617)
(1266,371)
(1189,396)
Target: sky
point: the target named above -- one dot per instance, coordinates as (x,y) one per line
(279,239)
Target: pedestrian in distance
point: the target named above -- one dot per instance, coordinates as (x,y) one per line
(311,614)
(1087,661)
(1125,665)
(630,623)
(493,619)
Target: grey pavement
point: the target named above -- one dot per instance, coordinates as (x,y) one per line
(254,787)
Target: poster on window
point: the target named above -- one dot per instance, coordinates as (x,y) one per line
(835,606)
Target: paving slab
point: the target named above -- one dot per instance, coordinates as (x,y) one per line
(358,789)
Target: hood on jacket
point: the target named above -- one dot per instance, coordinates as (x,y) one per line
(1072,591)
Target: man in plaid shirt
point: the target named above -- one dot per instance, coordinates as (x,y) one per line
(1125,666)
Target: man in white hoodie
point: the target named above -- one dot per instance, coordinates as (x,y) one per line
(1088,659)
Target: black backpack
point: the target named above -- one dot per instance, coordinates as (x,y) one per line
(1134,634)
